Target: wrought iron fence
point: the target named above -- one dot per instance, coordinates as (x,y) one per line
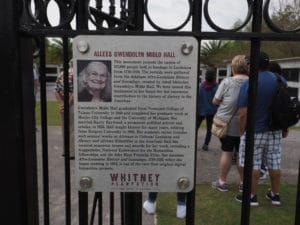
(128,17)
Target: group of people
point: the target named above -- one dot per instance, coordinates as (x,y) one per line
(228,101)
(267,143)
(232,100)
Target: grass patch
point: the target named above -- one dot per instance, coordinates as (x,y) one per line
(296,127)
(217,208)
(53,117)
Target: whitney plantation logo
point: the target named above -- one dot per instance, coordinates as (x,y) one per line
(134,179)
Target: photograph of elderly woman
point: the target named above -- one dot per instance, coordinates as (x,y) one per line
(94,81)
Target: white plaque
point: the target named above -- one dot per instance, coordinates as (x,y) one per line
(135,112)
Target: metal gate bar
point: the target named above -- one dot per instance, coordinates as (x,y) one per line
(29,128)
(190,200)
(44,129)
(97,199)
(66,133)
(252,94)
(111,207)
(297,211)
(83,208)
(136,27)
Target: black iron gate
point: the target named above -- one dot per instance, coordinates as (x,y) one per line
(22,21)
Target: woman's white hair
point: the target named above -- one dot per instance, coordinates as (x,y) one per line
(82,83)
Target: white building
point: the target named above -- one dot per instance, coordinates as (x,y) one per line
(290,70)
(52,71)
(222,72)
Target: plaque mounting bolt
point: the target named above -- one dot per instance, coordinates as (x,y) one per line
(183,183)
(82,46)
(187,48)
(86,182)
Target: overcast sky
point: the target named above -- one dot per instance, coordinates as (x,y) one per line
(172,13)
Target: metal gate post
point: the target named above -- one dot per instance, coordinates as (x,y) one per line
(17,125)
(133,201)
(252,93)
(138,7)
(190,201)
(133,208)
(83,208)
(82,23)
(29,130)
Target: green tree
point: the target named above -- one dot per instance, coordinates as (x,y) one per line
(217,53)
(54,51)
(287,15)
(211,52)
(36,48)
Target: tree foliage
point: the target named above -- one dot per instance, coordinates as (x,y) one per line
(211,51)
(54,51)
(286,16)
(217,52)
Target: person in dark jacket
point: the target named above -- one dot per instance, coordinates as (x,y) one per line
(206,108)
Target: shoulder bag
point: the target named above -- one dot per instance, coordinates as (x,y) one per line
(220,127)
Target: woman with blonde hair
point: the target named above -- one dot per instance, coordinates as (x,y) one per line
(226,98)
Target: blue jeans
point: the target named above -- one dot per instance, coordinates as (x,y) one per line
(181,197)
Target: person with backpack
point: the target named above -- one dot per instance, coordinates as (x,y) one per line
(276,69)
(267,142)
(285,107)
(206,108)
